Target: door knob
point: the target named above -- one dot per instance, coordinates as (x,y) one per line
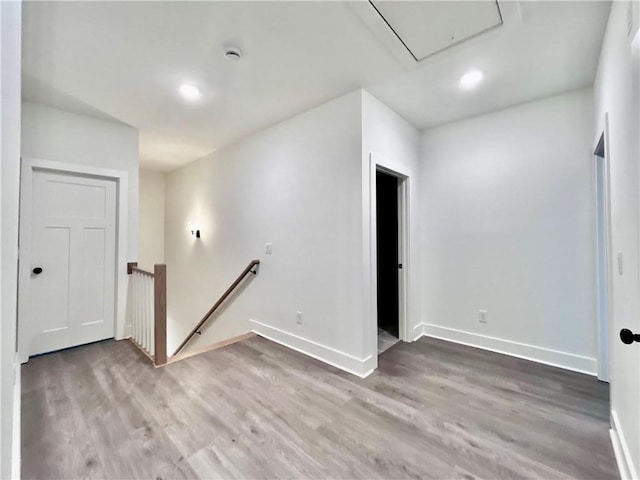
(628,337)
(37,270)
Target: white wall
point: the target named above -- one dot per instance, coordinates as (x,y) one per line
(507,227)
(151,219)
(52,134)
(616,95)
(304,186)
(56,135)
(10,32)
(395,143)
(295,185)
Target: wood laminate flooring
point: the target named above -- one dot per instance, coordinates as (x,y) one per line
(258,410)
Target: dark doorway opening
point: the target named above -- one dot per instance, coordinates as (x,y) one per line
(387,229)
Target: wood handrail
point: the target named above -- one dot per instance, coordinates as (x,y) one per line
(224,296)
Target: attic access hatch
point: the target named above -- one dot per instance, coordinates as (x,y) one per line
(415,30)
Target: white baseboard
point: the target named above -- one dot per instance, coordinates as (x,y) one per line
(344,361)
(621,450)
(16,440)
(418,331)
(568,361)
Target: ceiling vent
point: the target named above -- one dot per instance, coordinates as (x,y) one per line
(232,53)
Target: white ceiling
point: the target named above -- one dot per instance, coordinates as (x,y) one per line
(428,27)
(125,60)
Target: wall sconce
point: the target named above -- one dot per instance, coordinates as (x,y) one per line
(195,230)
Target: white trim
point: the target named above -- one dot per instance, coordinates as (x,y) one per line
(121,178)
(16,450)
(604,325)
(555,358)
(621,450)
(344,361)
(379,28)
(403,244)
(376,162)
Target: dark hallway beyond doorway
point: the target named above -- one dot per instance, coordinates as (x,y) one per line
(387,252)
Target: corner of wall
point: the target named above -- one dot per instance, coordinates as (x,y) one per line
(16,451)
(392,142)
(362,367)
(624,459)
(270,187)
(10,123)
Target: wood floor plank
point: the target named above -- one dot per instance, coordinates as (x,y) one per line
(256,409)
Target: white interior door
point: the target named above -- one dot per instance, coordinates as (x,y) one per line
(73,242)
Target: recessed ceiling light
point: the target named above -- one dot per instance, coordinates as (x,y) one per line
(471,79)
(190,92)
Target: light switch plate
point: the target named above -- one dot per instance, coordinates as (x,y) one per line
(620,262)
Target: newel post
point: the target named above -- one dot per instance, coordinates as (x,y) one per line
(160,313)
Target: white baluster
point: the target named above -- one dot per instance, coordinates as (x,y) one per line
(143,306)
(141,309)
(147,326)
(140,296)
(135,305)
(128,310)
(151,317)
(132,310)
(143,298)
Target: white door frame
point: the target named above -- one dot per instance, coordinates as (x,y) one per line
(377,162)
(29,165)
(603,288)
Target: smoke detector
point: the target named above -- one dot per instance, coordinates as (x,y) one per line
(232,53)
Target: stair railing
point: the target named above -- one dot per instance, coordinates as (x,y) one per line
(148,311)
(197,329)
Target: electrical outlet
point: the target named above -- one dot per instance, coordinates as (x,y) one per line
(299,318)
(482,316)
(269,249)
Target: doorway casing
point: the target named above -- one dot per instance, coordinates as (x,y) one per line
(601,188)
(121,179)
(380,163)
